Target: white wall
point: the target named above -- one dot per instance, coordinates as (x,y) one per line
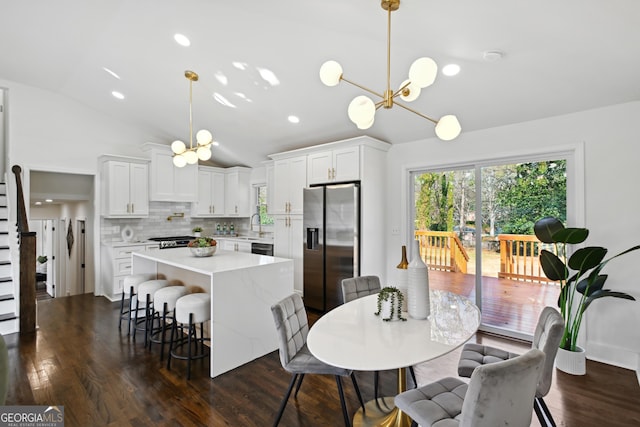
(612,153)
(47,132)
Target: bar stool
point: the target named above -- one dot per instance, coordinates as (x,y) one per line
(130,287)
(164,303)
(190,310)
(144,300)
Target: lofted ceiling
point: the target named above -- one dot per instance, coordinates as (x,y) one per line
(559,57)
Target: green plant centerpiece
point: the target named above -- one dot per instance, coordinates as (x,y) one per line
(579,275)
(202,242)
(197,229)
(42,259)
(394,296)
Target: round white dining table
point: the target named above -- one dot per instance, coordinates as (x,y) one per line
(351,336)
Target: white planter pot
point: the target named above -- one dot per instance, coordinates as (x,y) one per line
(385,310)
(572,362)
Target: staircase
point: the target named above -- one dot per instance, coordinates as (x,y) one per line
(8,318)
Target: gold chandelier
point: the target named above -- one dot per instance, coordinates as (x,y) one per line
(422,73)
(202,151)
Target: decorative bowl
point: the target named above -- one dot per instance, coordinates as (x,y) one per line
(203,251)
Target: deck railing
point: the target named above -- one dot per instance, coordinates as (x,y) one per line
(519,258)
(442,250)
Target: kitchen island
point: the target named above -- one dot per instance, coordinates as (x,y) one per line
(242,286)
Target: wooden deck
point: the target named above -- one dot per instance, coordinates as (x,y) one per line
(509,304)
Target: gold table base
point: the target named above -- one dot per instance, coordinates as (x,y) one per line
(383,412)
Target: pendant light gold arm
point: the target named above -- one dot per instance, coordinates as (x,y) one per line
(415,112)
(192,76)
(362,87)
(190,115)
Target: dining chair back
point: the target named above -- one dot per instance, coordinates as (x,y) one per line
(292,328)
(546,338)
(357,287)
(498,394)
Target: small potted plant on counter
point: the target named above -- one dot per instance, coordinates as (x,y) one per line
(202,246)
(390,304)
(197,231)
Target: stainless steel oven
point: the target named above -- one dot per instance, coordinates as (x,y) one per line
(172,241)
(262,248)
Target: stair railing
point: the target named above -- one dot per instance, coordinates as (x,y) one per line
(27,244)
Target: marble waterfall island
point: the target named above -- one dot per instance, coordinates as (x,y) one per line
(243,288)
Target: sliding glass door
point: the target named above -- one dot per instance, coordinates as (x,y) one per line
(475,228)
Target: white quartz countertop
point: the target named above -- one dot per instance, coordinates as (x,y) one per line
(219,262)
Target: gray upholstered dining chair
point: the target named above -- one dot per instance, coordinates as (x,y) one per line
(292,326)
(546,337)
(357,287)
(362,286)
(498,395)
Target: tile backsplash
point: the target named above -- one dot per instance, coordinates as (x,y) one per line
(157,224)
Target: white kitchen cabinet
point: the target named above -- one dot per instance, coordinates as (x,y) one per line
(287,243)
(338,165)
(237,191)
(234,245)
(270,187)
(116,265)
(289,178)
(125,188)
(211,193)
(360,159)
(169,183)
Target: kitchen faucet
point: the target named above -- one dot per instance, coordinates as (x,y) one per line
(260,232)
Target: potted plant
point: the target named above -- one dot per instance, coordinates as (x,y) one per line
(197,231)
(202,246)
(580,279)
(390,301)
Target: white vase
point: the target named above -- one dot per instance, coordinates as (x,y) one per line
(572,362)
(418,303)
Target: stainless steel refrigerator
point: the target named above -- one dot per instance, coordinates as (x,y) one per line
(331,234)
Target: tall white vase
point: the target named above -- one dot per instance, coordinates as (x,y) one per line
(418,281)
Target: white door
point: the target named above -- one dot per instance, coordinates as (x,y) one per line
(49,251)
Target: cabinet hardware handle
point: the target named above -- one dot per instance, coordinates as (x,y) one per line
(328,173)
(236,208)
(333,173)
(132,208)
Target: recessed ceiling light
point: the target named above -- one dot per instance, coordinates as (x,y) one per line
(222,100)
(48,200)
(111,72)
(293,119)
(240,65)
(37,203)
(182,40)
(216,143)
(492,55)
(117,94)
(268,76)
(243,96)
(451,69)
(219,75)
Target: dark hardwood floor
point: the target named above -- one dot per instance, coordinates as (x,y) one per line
(79,359)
